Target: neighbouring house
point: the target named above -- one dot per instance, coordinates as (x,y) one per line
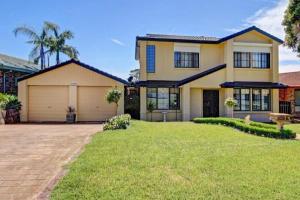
(290,97)
(45,95)
(12,68)
(191,76)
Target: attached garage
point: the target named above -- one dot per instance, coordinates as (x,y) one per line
(46,95)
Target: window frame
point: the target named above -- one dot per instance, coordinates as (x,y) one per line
(169,99)
(240,99)
(261,100)
(237,60)
(154,59)
(192,59)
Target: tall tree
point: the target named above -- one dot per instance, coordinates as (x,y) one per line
(291,23)
(57,42)
(39,42)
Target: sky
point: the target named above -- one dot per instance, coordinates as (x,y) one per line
(105,30)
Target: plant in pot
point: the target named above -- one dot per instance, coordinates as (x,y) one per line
(12,107)
(71,115)
(3,101)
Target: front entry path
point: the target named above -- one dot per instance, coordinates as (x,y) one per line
(32,156)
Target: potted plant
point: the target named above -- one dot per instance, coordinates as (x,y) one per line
(230,103)
(3,101)
(71,115)
(12,107)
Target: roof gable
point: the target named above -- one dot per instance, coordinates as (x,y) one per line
(79,64)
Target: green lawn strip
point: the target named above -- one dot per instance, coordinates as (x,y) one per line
(182,161)
(256,128)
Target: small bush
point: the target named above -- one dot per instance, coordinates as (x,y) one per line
(256,128)
(118,122)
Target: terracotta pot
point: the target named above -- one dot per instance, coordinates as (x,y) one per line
(71,118)
(12,116)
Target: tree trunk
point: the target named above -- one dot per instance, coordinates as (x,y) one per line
(57,57)
(42,55)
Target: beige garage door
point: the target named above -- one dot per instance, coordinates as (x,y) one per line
(47,103)
(92,105)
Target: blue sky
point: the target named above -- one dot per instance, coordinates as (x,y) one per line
(105,30)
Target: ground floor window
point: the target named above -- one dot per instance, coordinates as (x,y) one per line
(261,99)
(242,97)
(164,98)
(297,100)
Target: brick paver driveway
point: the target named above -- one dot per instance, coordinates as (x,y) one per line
(33,156)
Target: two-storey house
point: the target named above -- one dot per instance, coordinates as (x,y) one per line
(189,76)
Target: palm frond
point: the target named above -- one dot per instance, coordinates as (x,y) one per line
(35,53)
(30,32)
(66,35)
(49,26)
(70,51)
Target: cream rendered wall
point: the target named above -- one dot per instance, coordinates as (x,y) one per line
(71,75)
(211,55)
(196,102)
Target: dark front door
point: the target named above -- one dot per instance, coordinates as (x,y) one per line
(210,103)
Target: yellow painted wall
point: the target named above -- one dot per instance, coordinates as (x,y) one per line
(253,37)
(71,76)
(210,56)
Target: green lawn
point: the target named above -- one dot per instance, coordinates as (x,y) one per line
(183,160)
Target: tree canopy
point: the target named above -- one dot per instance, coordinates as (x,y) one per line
(291,23)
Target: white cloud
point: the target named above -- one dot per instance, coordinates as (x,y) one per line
(269,19)
(118,42)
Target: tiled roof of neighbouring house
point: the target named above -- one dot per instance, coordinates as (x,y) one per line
(290,78)
(17,64)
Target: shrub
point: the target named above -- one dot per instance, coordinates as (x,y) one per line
(256,128)
(118,122)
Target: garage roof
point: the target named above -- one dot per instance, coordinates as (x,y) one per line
(78,63)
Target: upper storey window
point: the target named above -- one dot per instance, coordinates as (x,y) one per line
(150,58)
(186,59)
(251,59)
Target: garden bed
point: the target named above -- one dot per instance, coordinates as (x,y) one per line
(256,128)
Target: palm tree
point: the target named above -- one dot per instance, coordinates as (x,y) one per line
(38,40)
(57,42)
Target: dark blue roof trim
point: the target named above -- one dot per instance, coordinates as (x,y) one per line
(249,84)
(78,63)
(165,83)
(252,28)
(156,83)
(201,74)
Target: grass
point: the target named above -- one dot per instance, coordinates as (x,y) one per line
(183,161)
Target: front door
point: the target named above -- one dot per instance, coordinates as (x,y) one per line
(210,103)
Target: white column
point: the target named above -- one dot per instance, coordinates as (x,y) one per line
(23,97)
(186,116)
(120,110)
(143,104)
(228,93)
(275,100)
(73,97)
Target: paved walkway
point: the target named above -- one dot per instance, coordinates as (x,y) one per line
(32,156)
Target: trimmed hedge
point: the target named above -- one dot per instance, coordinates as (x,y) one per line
(256,128)
(118,122)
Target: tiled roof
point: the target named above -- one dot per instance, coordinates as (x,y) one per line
(181,37)
(290,78)
(17,64)
(202,39)
(98,71)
